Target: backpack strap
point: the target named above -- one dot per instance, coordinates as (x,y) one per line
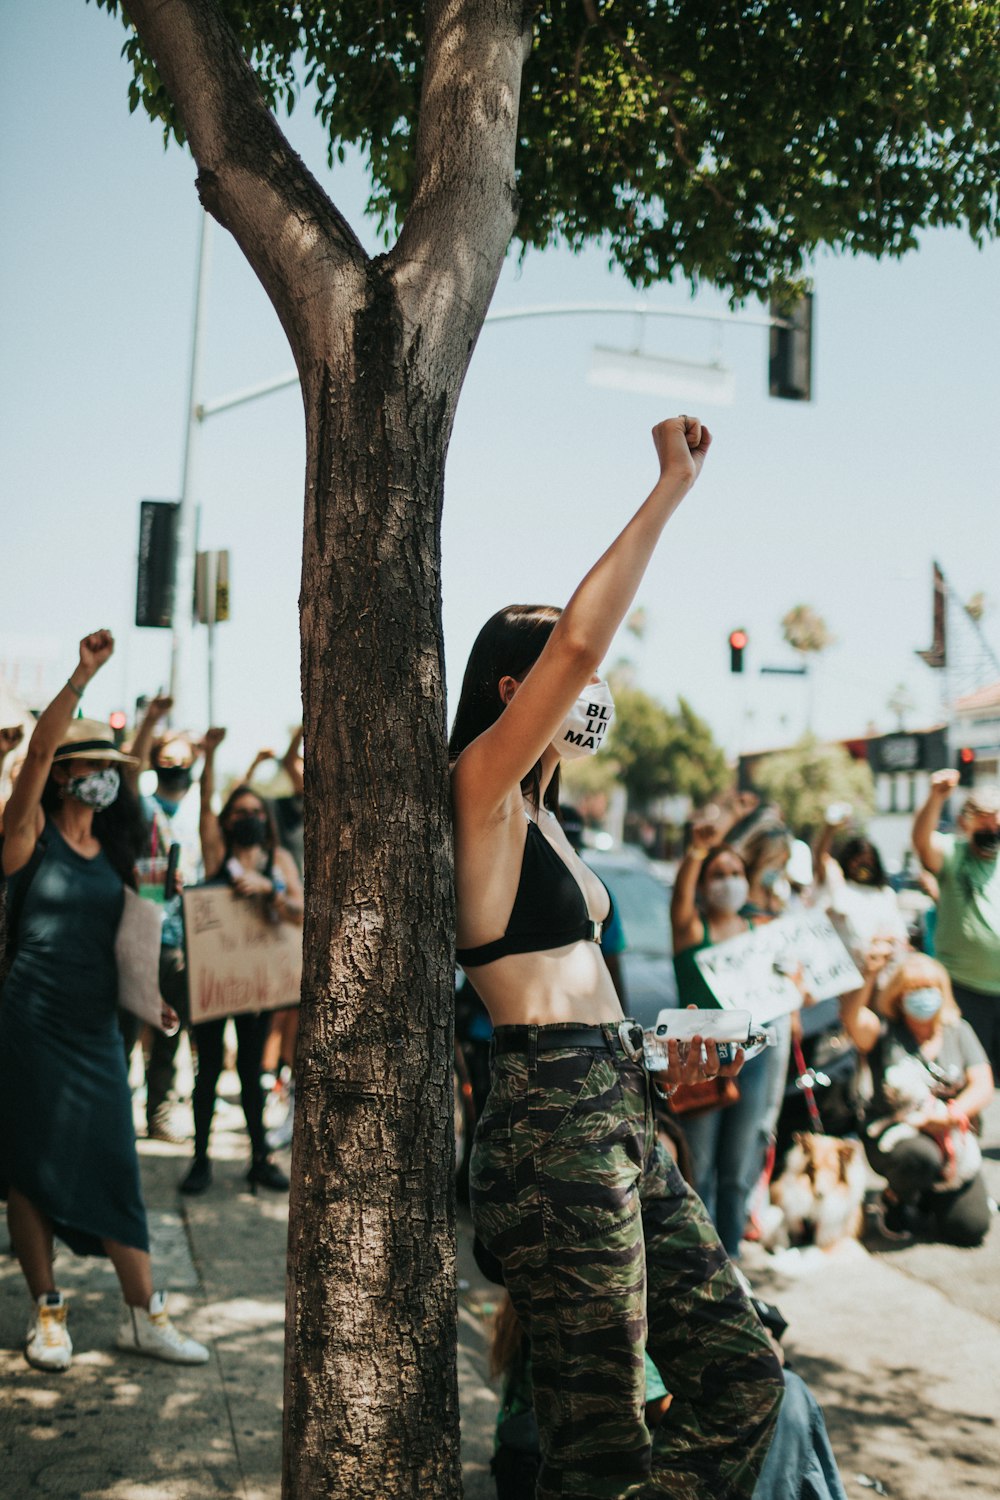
(16,901)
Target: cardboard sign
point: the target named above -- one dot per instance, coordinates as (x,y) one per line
(238,960)
(746,972)
(137,954)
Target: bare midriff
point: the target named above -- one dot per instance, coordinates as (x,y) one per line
(557,986)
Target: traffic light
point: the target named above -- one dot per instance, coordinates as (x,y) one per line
(966,766)
(117,720)
(737,646)
(789,367)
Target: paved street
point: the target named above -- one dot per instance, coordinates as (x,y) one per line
(903,1350)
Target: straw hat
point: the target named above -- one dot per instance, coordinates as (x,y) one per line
(89,739)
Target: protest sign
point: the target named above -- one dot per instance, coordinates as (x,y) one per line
(238,960)
(750,971)
(137,954)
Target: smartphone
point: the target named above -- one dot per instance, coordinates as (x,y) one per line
(169,878)
(720,1025)
(730,1030)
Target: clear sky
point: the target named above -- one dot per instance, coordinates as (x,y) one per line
(840,504)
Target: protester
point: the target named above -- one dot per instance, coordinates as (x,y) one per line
(239,848)
(602,1246)
(284,799)
(68,1163)
(800,1464)
(170,823)
(10,738)
(727,1140)
(967,930)
(855,889)
(931,1081)
(286,803)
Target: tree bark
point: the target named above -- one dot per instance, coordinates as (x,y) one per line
(371,1398)
(382,346)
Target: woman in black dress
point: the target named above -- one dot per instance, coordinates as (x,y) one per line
(68,1164)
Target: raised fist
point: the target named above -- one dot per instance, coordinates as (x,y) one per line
(944,782)
(10,739)
(95,650)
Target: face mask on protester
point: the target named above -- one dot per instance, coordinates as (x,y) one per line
(727,893)
(98,789)
(175,780)
(776,882)
(986,840)
(588,721)
(248,830)
(922,1004)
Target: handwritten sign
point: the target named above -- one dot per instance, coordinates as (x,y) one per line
(238,960)
(747,971)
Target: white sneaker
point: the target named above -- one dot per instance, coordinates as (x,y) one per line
(48,1345)
(150,1331)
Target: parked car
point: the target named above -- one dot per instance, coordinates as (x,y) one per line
(643,903)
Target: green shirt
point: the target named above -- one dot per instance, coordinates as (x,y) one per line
(967,940)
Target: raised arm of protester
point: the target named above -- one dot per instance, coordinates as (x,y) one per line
(23,815)
(156,711)
(292,762)
(930,847)
(213,845)
(260,759)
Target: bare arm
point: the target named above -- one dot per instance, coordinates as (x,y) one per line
(977,1093)
(292,762)
(289,903)
(156,710)
(684,919)
(258,760)
(861,1023)
(23,817)
(926,839)
(213,846)
(491,767)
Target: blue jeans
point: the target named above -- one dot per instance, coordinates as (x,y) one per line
(728,1146)
(800,1464)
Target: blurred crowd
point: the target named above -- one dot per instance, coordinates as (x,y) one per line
(95,834)
(89,825)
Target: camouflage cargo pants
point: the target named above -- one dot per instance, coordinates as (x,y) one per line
(605,1252)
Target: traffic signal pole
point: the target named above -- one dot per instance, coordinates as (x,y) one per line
(182,629)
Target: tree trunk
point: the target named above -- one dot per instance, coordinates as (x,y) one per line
(371,1396)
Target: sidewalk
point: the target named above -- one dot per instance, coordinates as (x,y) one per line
(908,1376)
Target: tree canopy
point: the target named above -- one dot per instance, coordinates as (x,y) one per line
(805,779)
(654,752)
(723,142)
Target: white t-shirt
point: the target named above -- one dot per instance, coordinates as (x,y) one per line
(861,913)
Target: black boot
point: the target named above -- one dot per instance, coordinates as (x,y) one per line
(266,1174)
(199,1177)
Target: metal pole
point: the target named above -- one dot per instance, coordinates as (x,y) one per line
(180,641)
(211,673)
(569,310)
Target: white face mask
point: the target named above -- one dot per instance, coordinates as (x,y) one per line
(588,721)
(727,893)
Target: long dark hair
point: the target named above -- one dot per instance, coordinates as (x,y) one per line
(508,645)
(119,829)
(270,842)
(861,848)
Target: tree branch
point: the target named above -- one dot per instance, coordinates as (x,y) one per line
(449,254)
(249,178)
